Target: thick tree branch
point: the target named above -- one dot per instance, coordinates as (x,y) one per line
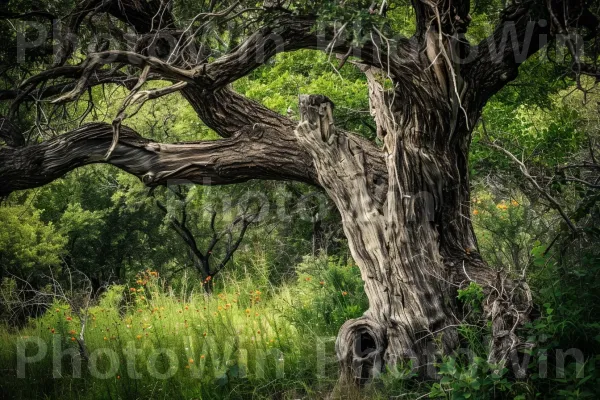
(521,32)
(228,112)
(257,152)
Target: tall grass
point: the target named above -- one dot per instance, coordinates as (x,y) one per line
(150,340)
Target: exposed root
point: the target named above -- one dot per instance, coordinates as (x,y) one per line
(508,304)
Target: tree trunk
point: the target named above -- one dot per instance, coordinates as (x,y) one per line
(415,248)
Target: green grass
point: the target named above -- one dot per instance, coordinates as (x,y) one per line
(148,340)
(244,341)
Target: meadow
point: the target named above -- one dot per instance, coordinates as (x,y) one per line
(148,340)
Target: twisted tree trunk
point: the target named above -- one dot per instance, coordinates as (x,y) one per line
(414,249)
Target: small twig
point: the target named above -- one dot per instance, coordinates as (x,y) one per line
(556,205)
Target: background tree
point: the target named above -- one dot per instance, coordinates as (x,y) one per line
(205,259)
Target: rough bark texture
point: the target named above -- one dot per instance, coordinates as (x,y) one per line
(253,153)
(411,272)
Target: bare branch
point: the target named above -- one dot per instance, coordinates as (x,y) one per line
(96,60)
(555,204)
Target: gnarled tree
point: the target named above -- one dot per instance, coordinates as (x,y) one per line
(404,200)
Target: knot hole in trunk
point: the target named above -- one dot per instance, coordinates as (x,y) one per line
(360,347)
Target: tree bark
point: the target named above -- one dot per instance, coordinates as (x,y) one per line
(414,250)
(256,152)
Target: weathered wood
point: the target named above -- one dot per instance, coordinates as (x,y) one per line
(398,246)
(254,153)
